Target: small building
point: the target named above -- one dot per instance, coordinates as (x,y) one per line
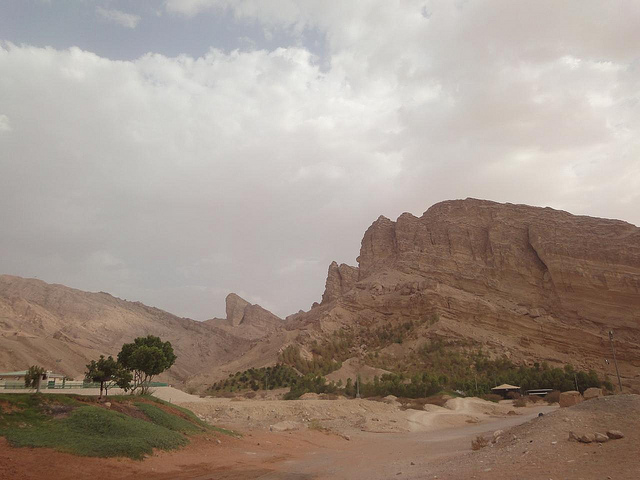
(540,392)
(505,389)
(9,380)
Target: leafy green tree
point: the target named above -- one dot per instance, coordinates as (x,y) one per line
(109,373)
(33,377)
(145,358)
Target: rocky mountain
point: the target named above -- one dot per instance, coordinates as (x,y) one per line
(534,284)
(63,329)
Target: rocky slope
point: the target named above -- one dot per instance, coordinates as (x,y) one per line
(531,283)
(62,329)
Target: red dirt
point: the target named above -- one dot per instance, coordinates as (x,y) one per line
(232,459)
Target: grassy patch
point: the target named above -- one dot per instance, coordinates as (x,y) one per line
(81,426)
(172,422)
(91,431)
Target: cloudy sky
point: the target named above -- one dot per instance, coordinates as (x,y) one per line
(174,151)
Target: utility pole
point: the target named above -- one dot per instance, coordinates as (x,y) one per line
(615,361)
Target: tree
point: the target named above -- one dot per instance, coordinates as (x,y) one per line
(109,373)
(145,358)
(33,377)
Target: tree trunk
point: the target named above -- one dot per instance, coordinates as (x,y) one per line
(38,384)
(101,386)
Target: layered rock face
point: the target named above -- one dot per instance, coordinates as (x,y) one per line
(534,283)
(585,266)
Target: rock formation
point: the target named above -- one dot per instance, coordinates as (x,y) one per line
(532,283)
(235,309)
(340,280)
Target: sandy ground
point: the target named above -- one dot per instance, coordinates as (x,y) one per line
(169,394)
(344,416)
(339,439)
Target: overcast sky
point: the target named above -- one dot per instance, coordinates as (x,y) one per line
(174,151)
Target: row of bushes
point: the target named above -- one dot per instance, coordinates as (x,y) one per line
(266,378)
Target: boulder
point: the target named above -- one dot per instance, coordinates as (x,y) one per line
(593,392)
(572,397)
(587,438)
(285,426)
(601,437)
(615,434)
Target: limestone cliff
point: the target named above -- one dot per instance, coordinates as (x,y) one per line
(532,283)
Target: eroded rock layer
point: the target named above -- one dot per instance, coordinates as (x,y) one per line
(532,283)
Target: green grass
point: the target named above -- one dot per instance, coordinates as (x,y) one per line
(67,424)
(167,420)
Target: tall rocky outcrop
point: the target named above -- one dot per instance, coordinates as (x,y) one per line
(340,279)
(532,283)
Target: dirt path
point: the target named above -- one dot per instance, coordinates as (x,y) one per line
(373,456)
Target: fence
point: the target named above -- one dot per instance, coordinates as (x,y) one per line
(65,385)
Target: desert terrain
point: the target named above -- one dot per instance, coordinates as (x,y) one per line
(366,439)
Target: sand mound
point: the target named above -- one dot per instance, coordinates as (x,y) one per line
(477,406)
(541,448)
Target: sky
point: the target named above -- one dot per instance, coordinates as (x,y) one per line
(174,151)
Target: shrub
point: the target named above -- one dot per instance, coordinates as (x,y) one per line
(520,402)
(479,442)
(492,397)
(553,397)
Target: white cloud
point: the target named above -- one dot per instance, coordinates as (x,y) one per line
(127,20)
(5,124)
(228,171)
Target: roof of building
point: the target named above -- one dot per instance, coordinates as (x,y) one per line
(506,386)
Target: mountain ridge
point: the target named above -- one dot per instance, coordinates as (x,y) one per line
(528,283)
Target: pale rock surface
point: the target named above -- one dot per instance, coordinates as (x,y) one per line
(593,392)
(570,398)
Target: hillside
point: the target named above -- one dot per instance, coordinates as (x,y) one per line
(533,284)
(62,329)
(469,279)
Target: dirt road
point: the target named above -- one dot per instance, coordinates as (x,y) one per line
(374,456)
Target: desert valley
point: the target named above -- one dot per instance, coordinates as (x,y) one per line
(319,240)
(469,295)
